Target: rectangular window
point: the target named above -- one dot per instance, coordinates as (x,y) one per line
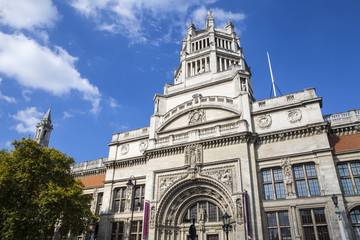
(119,199)
(212,237)
(136,230)
(314,224)
(306,180)
(99,204)
(349,177)
(273,180)
(278,225)
(117,231)
(139,198)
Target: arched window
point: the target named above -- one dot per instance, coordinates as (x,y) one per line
(355,221)
(204,211)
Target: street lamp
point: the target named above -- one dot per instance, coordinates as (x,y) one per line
(90,230)
(226,226)
(338,213)
(129,184)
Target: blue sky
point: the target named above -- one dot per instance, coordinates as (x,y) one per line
(99,63)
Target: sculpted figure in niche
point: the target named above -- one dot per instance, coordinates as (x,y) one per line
(152,217)
(239,209)
(128,198)
(193,155)
(202,214)
(288,177)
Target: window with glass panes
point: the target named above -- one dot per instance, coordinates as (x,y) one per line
(273,184)
(350,177)
(117,231)
(278,225)
(119,199)
(99,203)
(213,213)
(136,230)
(314,224)
(306,180)
(139,198)
(355,221)
(212,237)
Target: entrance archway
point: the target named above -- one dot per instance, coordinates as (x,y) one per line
(201,198)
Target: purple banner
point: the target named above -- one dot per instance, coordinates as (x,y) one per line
(247,220)
(146,220)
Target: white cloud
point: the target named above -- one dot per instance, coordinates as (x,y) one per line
(28,119)
(25,95)
(137,20)
(39,67)
(28,14)
(6,98)
(113,103)
(67,115)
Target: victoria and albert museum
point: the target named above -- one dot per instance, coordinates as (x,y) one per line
(214,158)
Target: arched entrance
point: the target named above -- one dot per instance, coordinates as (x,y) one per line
(202,199)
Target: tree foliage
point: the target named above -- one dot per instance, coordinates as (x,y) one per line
(38,192)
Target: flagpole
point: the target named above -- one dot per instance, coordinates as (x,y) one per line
(272,77)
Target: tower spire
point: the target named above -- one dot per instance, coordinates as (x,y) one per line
(43,129)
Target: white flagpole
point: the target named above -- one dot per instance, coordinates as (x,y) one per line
(272,77)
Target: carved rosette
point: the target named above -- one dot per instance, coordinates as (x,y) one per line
(197,116)
(143,145)
(264,121)
(124,149)
(193,155)
(294,115)
(288,177)
(224,176)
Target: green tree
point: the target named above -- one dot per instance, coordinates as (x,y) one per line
(38,192)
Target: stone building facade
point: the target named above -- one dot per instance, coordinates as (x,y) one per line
(272,165)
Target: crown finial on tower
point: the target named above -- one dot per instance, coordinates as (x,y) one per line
(210,22)
(43,129)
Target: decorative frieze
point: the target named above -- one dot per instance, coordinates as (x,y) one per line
(223,175)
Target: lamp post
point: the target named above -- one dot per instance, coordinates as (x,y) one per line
(338,213)
(226,226)
(90,230)
(129,183)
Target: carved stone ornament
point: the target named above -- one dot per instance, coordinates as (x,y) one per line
(294,115)
(143,145)
(124,149)
(197,116)
(264,121)
(166,182)
(222,175)
(193,155)
(288,177)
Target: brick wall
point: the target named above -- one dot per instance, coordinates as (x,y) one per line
(93,181)
(343,143)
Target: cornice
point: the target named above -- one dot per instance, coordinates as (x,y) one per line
(130,162)
(286,106)
(90,172)
(345,129)
(292,155)
(128,140)
(282,135)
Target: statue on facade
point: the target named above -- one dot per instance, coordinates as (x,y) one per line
(288,177)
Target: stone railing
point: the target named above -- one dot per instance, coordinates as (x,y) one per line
(343,117)
(191,103)
(98,163)
(130,134)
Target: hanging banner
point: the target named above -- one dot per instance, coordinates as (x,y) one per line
(146,221)
(247,220)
